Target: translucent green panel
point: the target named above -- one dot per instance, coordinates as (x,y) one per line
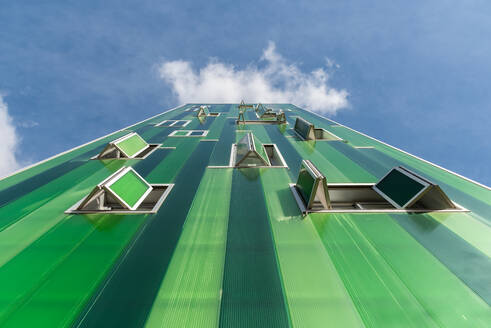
(132,145)
(399,187)
(130,188)
(243,146)
(181,133)
(303,127)
(189,295)
(393,280)
(315,294)
(260,149)
(305,184)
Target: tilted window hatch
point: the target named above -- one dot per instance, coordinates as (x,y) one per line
(130,146)
(308,131)
(264,115)
(249,151)
(400,190)
(174,123)
(189,133)
(123,192)
(204,111)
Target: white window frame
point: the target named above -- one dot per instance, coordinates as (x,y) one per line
(123,138)
(426,186)
(188,135)
(174,123)
(106,184)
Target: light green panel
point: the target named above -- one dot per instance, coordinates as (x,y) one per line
(392,279)
(130,188)
(469,227)
(315,294)
(132,145)
(190,292)
(79,252)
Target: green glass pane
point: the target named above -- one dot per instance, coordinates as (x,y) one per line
(399,187)
(305,184)
(303,127)
(130,188)
(181,133)
(132,145)
(260,149)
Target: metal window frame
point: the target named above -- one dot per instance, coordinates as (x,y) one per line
(426,187)
(123,138)
(106,185)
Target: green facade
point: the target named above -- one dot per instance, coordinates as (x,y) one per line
(230,248)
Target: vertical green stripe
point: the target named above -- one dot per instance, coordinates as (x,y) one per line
(315,293)
(252,294)
(190,293)
(382,299)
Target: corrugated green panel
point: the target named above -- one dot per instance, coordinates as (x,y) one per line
(59,273)
(315,294)
(252,292)
(469,227)
(464,261)
(31,216)
(150,254)
(381,298)
(393,280)
(190,293)
(130,188)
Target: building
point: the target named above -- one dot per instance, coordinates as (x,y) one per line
(208,215)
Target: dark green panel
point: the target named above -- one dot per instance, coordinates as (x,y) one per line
(399,187)
(221,153)
(252,295)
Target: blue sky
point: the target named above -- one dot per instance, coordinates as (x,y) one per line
(417,72)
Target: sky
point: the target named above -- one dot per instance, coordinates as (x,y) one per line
(415,74)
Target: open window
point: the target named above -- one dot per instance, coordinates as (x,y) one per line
(130,146)
(405,189)
(189,133)
(264,115)
(249,151)
(125,191)
(203,111)
(399,191)
(312,187)
(244,106)
(308,131)
(174,123)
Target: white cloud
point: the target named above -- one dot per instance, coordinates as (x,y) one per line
(278,81)
(9,141)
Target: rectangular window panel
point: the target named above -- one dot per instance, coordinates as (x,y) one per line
(131,145)
(400,187)
(130,188)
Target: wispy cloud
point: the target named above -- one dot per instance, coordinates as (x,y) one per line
(278,80)
(10,140)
